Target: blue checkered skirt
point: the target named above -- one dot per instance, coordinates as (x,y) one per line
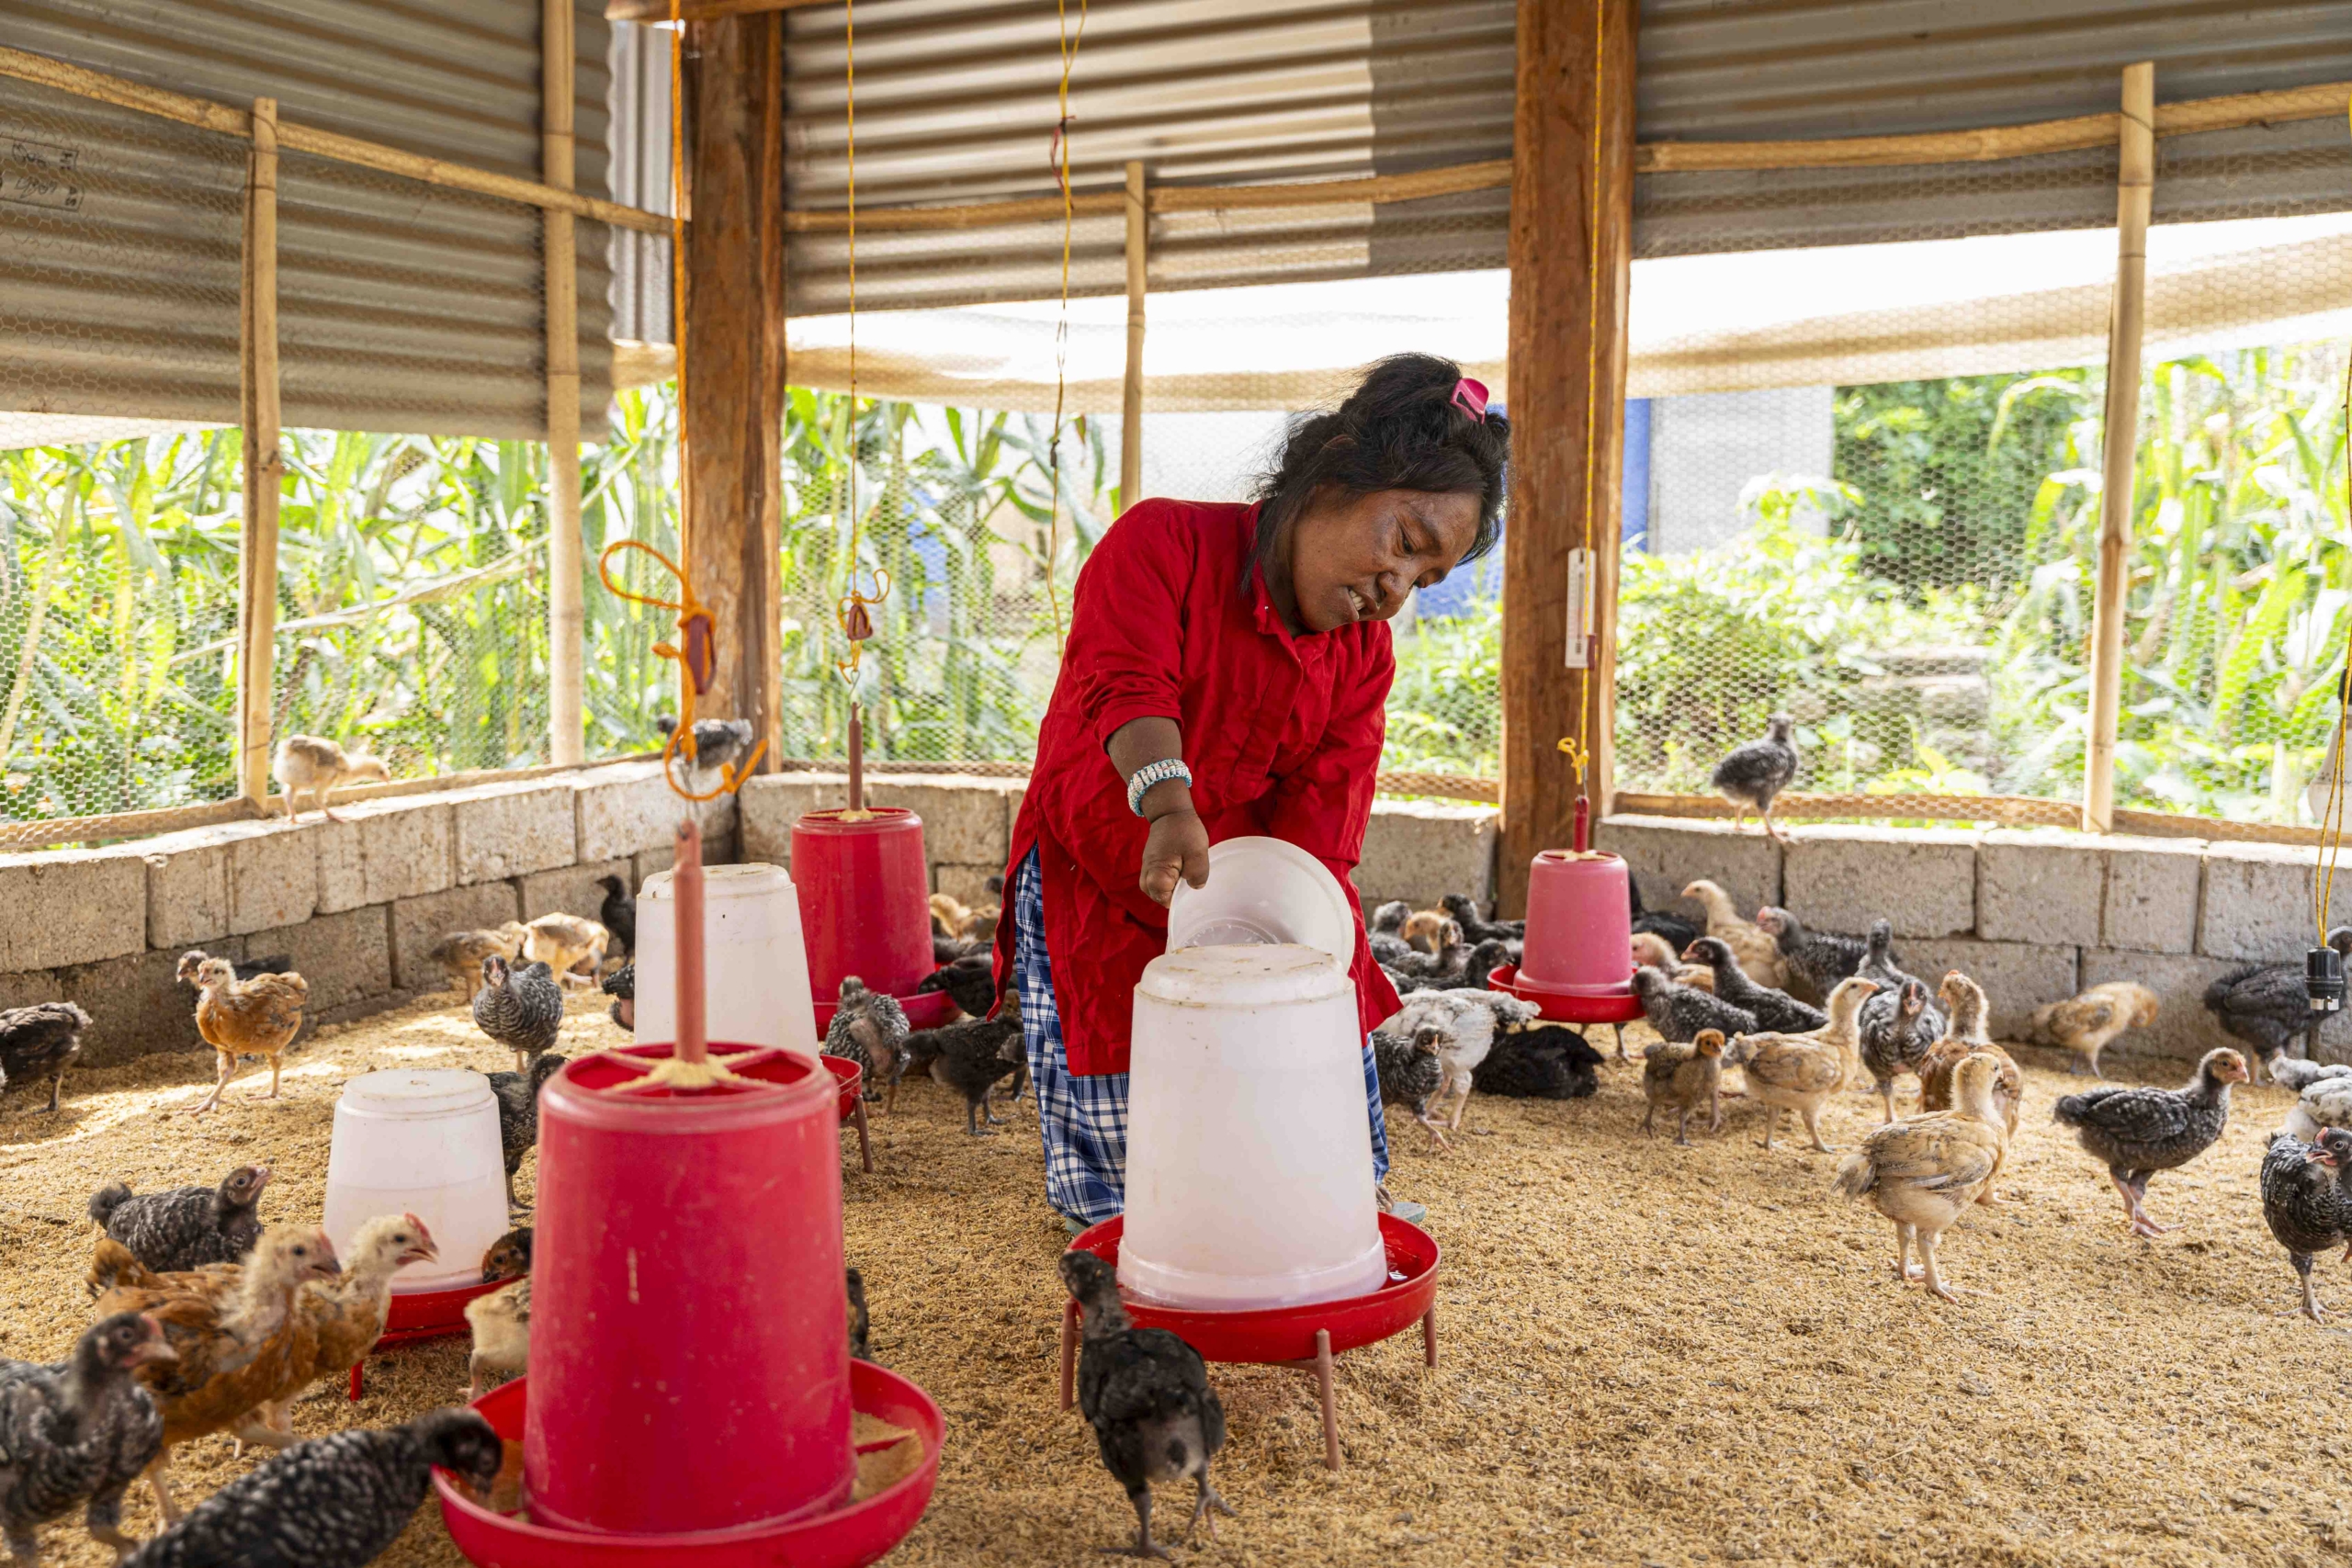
(1083,1121)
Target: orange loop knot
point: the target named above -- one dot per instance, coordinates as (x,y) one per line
(697,655)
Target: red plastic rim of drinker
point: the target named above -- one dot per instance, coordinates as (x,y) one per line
(1567,1006)
(850,1536)
(1307,1338)
(756,1070)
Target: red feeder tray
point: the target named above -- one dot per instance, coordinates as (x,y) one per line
(1306,1337)
(848,1536)
(423,1314)
(924,1010)
(845,1072)
(1568,1007)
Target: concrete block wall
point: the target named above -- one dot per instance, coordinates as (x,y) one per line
(2033,915)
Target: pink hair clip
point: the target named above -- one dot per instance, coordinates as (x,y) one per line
(1470,397)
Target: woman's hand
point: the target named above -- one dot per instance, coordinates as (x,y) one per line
(1178,846)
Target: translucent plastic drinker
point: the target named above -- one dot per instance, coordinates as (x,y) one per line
(1249,1157)
(756,963)
(422,1142)
(1263,890)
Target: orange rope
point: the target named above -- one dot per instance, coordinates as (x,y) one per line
(1578,749)
(849,610)
(1060,157)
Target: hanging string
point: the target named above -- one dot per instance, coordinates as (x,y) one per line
(1059,155)
(1578,749)
(2331,825)
(678,272)
(850,610)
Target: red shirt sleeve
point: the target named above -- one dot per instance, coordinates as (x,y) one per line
(1126,622)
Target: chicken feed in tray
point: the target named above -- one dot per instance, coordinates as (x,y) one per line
(1649,1353)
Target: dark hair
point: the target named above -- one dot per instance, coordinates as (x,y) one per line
(1400,429)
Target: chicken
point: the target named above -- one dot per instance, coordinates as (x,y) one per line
(237,1017)
(2139,1132)
(185,1228)
(1464,913)
(621,986)
(1650,952)
(951,917)
(521,1008)
(1878,962)
(308,765)
(518,1111)
(1682,1078)
(2295,1074)
(500,1322)
(40,1041)
(2307,1199)
(1966,1031)
(78,1432)
(1923,1171)
(617,914)
(1430,930)
(1147,1395)
(1812,962)
(1552,1062)
(1458,968)
(563,942)
(1774,1009)
(1676,933)
(1757,952)
(1389,918)
(1412,1071)
(969,1057)
(461,954)
(2087,1024)
(2323,1096)
(861,1323)
(246,969)
(1679,1012)
(235,1330)
(1469,1021)
(1898,1028)
(970,980)
(1753,774)
(1801,1072)
(332,1502)
(345,1319)
(2265,1005)
(718,743)
(870,1029)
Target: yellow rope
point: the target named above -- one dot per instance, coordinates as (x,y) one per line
(1578,749)
(1069,45)
(2332,823)
(849,610)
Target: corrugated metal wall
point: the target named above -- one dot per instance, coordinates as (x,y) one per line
(956,102)
(403,307)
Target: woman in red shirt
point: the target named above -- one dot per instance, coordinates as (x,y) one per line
(1224,675)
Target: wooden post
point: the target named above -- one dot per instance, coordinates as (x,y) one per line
(734,359)
(2119,450)
(265,470)
(1131,398)
(566,615)
(1571,261)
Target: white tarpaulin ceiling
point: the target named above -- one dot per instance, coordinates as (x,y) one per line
(1840,315)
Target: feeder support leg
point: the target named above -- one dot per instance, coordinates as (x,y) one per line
(1429,1337)
(1069,1353)
(1323,1388)
(864,1149)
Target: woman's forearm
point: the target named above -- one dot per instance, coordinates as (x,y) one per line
(1142,741)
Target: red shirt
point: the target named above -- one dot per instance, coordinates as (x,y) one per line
(1282,734)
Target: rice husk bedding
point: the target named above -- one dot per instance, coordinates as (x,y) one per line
(1648,1354)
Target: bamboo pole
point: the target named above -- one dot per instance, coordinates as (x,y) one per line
(1131,393)
(567,612)
(81,82)
(2118,446)
(264,468)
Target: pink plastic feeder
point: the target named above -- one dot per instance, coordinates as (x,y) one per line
(662,1346)
(848,1537)
(1306,1337)
(866,908)
(1579,962)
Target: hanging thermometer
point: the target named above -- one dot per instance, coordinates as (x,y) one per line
(1580,609)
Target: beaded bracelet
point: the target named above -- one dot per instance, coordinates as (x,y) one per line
(1140,782)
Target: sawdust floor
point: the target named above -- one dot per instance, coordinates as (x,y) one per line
(1650,1354)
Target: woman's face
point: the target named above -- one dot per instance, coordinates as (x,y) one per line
(1354,558)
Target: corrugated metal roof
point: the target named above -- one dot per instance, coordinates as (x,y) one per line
(402,306)
(956,102)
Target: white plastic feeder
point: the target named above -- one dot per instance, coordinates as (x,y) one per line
(424,1143)
(1263,890)
(755,965)
(1248,1155)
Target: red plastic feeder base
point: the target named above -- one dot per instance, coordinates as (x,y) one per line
(850,1536)
(1563,1007)
(1305,1337)
(422,1314)
(924,1010)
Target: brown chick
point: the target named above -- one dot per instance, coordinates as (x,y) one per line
(1652,951)
(461,952)
(1757,950)
(561,942)
(1432,930)
(308,764)
(233,1328)
(237,1017)
(1682,1079)
(1965,1034)
(346,1317)
(2087,1024)
(1923,1171)
(1802,1072)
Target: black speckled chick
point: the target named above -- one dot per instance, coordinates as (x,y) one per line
(332,1502)
(519,1109)
(40,1041)
(1679,1012)
(186,1228)
(78,1433)
(520,1006)
(1756,772)
(2139,1132)
(1776,1011)
(2307,1199)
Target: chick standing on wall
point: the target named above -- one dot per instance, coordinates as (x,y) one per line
(1147,1395)
(312,765)
(1755,774)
